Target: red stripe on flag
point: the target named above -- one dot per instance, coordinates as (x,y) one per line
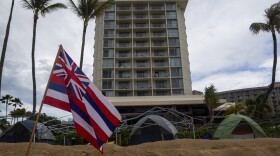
(87,136)
(113,119)
(77,102)
(57,103)
(98,131)
(58,80)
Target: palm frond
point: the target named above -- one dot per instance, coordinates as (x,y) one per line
(75,8)
(27,5)
(53,7)
(257,27)
(101,8)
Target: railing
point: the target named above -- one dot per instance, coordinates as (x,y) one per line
(140,16)
(142,64)
(157,7)
(141,25)
(159,34)
(124,26)
(123,8)
(160,54)
(141,55)
(158,25)
(123,45)
(159,44)
(142,75)
(160,64)
(141,44)
(123,35)
(140,8)
(124,75)
(124,65)
(123,17)
(140,35)
(158,16)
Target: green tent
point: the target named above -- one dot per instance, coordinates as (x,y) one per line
(238,127)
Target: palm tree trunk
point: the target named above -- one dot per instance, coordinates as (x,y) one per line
(83,44)
(6,110)
(5,43)
(33,61)
(273,68)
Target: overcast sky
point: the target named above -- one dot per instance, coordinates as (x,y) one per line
(222,50)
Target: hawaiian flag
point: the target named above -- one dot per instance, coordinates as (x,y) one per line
(69,89)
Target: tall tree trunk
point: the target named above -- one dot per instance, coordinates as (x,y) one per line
(83,44)
(5,43)
(273,68)
(33,62)
(6,110)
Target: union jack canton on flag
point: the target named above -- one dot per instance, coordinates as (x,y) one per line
(69,89)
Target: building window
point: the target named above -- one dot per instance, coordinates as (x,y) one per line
(108,93)
(142,84)
(109,24)
(107,84)
(109,33)
(161,84)
(176,72)
(172,24)
(108,63)
(175,62)
(174,51)
(177,91)
(177,83)
(173,33)
(171,14)
(124,94)
(170,6)
(174,42)
(108,73)
(142,93)
(108,53)
(109,16)
(109,43)
(124,85)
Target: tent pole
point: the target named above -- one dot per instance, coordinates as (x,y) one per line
(193,129)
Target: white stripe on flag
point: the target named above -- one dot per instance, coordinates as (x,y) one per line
(97,118)
(57,95)
(105,101)
(83,123)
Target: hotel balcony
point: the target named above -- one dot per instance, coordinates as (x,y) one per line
(141,55)
(123,75)
(123,45)
(123,55)
(141,44)
(158,25)
(160,64)
(141,16)
(141,25)
(141,35)
(124,65)
(143,87)
(124,17)
(156,7)
(140,8)
(142,75)
(157,16)
(123,35)
(123,8)
(123,26)
(142,65)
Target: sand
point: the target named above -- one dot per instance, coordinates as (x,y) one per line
(179,147)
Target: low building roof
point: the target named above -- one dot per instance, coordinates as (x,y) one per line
(158,100)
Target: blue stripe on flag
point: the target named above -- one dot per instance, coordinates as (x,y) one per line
(100,143)
(57,87)
(76,109)
(97,109)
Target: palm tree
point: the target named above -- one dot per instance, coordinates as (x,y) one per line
(17,102)
(7,99)
(5,43)
(272,25)
(42,7)
(236,108)
(256,109)
(211,98)
(87,10)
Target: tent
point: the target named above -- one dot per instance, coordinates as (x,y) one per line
(238,127)
(152,128)
(21,132)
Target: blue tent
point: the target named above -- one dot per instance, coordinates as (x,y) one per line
(21,132)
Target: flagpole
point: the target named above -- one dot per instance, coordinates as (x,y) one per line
(40,109)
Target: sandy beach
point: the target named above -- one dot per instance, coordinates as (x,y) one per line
(179,147)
